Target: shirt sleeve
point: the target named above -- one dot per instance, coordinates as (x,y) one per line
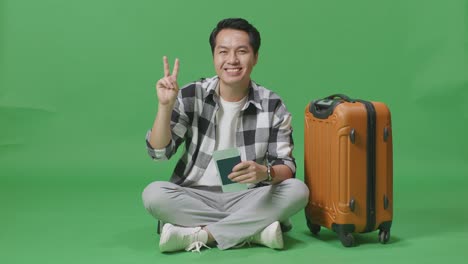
(281,143)
(179,126)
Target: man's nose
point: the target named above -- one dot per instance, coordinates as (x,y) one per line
(232,59)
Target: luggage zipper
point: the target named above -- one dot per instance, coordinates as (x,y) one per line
(371,165)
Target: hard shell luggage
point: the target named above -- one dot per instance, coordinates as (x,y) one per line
(348,161)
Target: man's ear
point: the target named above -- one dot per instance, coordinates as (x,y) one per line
(256,59)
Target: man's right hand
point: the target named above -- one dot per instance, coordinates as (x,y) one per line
(167,87)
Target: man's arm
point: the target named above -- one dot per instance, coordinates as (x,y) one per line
(283,165)
(160,135)
(178,127)
(167,90)
(281,144)
(252,172)
(280,173)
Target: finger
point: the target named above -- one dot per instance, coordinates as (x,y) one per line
(173,80)
(241,166)
(240,173)
(248,178)
(174,83)
(237,177)
(166,67)
(160,83)
(175,72)
(236,174)
(233,175)
(167,83)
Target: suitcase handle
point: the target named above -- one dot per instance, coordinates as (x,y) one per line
(323,108)
(342,96)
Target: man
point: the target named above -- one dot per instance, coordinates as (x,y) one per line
(226,111)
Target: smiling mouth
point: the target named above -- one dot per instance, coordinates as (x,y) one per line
(233,69)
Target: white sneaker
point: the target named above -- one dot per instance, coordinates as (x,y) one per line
(271,236)
(175,238)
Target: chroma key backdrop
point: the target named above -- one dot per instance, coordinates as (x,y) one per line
(77,95)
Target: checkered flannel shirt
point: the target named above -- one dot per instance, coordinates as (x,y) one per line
(263,128)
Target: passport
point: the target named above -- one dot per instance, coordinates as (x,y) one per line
(225,160)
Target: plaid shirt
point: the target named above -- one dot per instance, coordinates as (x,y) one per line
(264,126)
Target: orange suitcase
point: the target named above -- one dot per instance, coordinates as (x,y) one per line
(348,160)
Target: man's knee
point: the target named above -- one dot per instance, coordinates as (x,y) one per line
(298,192)
(155,196)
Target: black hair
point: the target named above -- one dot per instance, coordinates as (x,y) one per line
(239,24)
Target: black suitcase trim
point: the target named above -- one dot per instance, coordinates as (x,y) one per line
(371,165)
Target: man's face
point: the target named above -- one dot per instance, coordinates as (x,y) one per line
(234,57)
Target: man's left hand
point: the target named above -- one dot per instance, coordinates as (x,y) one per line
(248,172)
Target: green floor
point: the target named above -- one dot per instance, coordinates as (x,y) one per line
(53,219)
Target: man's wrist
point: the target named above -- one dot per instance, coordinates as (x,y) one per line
(166,107)
(268,173)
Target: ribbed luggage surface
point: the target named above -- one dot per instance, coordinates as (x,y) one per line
(349,167)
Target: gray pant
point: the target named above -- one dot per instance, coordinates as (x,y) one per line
(230,217)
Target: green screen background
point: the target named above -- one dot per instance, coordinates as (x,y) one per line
(77,97)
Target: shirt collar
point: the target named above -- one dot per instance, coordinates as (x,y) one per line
(252,98)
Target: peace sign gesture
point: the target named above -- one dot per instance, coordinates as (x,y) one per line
(167,87)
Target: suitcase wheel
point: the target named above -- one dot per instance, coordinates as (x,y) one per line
(384,236)
(347,239)
(315,229)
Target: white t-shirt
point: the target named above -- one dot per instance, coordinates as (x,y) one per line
(226,129)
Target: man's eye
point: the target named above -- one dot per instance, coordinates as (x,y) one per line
(222,52)
(242,51)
